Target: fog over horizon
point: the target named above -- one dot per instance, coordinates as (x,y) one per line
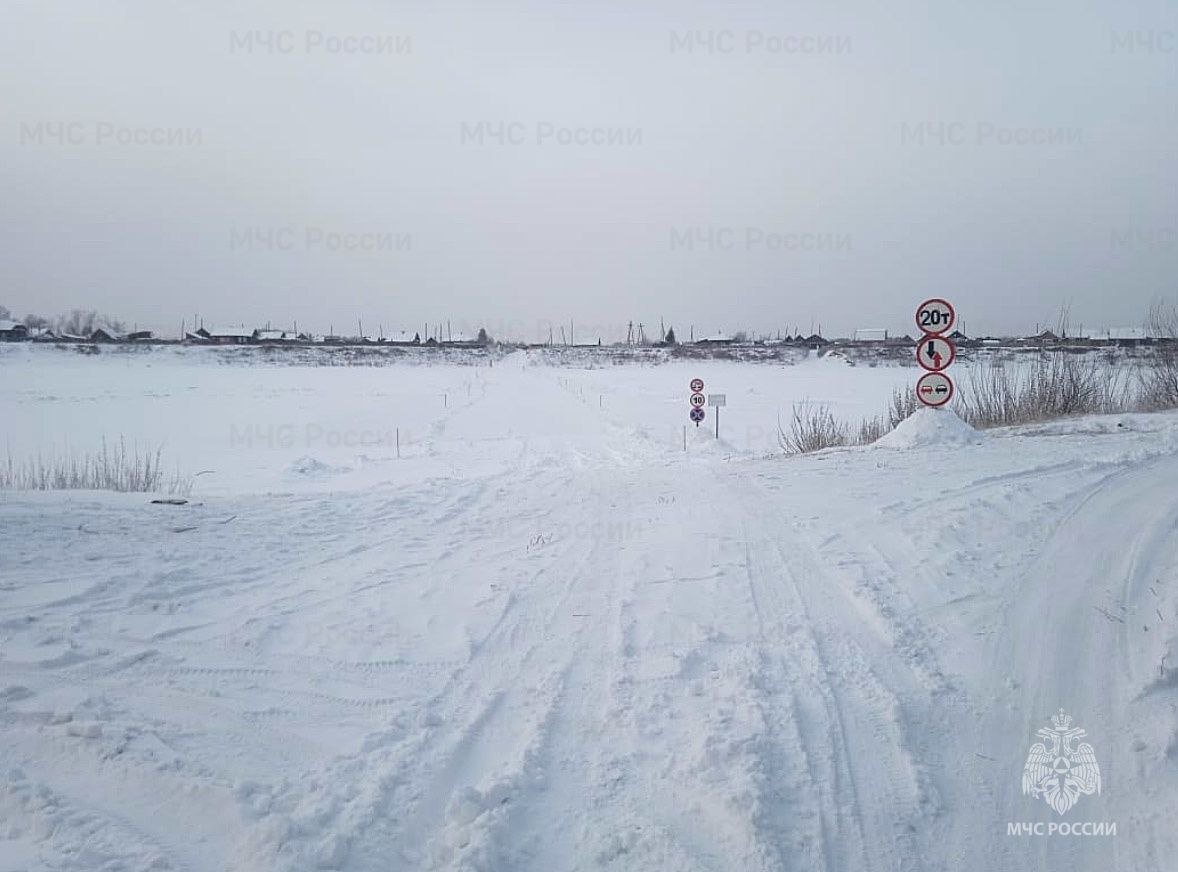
(518,166)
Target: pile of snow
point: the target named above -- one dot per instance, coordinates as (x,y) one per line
(929,428)
(307,465)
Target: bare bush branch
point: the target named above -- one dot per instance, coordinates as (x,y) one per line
(1057,385)
(812,428)
(1158,383)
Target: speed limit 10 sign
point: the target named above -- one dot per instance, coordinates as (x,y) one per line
(935,316)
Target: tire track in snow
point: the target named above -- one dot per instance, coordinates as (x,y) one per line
(688,783)
(549,669)
(434,795)
(567,786)
(789,646)
(1078,617)
(81,833)
(142,820)
(848,719)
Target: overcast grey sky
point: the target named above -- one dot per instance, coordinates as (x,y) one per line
(757,165)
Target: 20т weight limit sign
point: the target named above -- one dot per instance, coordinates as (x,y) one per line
(935,316)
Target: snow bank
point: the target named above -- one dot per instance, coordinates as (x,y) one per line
(930,427)
(307,465)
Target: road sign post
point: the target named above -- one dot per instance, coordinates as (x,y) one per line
(717,402)
(935,351)
(698,401)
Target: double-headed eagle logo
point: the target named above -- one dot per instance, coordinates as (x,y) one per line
(1060,770)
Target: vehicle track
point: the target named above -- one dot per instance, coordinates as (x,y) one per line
(848,718)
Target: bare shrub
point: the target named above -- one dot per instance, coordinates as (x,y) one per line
(812,427)
(1053,384)
(871,430)
(114,468)
(1057,385)
(1158,382)
(902,405)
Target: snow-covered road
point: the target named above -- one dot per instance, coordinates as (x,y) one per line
(578,648)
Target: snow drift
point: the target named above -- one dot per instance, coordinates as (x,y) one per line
(927,428)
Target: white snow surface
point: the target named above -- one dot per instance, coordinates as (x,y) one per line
(548,638)
(927,428)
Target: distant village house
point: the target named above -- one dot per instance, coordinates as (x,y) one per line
(717,338)
(13,331)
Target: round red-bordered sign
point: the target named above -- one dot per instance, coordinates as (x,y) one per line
(934,389)
(935,353)
(698,400)
(935,316)
(697,385)
(698,415)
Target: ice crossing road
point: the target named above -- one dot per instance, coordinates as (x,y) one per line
(589,650)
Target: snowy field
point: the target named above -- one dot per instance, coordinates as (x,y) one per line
(547,637)
(275,427)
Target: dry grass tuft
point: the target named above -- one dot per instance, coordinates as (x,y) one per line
(114,468)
